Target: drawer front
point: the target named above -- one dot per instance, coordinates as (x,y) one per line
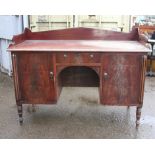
(91,57)
(64,57)
(78,58)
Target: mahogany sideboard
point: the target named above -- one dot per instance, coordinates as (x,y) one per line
(44,62)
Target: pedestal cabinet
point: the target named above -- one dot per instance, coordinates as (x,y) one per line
(122,75)
(36,81)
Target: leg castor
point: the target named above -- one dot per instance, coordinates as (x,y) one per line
(138,115)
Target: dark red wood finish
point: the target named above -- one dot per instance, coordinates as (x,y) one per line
(36,83)
(77,34)
(40,76)
(78,58)
(121,74)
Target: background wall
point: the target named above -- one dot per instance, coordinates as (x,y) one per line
(43,23)
(10,25)
(15,24)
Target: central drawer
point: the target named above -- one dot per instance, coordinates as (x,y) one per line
(78,58)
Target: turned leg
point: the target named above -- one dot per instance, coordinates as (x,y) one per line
(20,113)
(138,115)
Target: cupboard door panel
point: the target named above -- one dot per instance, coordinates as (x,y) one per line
(121,79)
(35,83)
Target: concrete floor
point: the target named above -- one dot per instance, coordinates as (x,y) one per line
(77,115)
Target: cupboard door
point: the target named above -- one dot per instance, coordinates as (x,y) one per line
(36,79)
(121,78)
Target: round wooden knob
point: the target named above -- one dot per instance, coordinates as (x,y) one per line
(106,76)
(91,55)
(51,75)
(65,55)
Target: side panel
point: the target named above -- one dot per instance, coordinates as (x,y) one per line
(121,76)
(36,85)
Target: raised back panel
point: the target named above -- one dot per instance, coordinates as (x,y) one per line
(77,34)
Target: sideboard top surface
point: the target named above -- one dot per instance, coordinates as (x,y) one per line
(80,46)
(79,39)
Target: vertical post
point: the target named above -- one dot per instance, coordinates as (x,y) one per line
(25,21)
(100,21)
(49,23)
(75,21)
(67,22)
